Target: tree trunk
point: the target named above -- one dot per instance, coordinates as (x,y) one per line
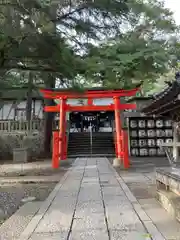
(49,117)
(48,120)
(29,99)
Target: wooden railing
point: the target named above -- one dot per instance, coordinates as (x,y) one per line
(24,126)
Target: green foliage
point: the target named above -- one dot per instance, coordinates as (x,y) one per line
(110,43)
(57,41)
(46,38)
(146,50)
(128,61)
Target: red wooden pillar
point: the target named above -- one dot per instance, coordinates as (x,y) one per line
(126,161)
(90,101)
(121,144)
(115,143)
(65,148)
(62,128)
(117,126)
(55,152)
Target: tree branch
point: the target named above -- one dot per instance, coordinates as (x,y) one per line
(26,68)
(65,16)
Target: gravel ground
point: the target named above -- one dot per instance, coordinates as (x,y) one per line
(11,196)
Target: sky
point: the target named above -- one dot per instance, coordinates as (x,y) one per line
(174,5)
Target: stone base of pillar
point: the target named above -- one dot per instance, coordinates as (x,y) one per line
(116,162)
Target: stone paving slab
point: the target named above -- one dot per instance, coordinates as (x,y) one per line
(89,235)
(48,236)
(91,202)
(129,235)
(86,208)
(165,222)
(95,221)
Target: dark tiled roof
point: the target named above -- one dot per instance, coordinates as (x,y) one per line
(165,101)
(134,99)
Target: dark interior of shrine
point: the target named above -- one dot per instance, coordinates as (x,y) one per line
(97,119)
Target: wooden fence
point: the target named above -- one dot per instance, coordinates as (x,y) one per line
(24,126)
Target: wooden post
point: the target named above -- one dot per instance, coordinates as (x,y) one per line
(55,150)
(175,140)
(117,126)
(62,127)
(115,143)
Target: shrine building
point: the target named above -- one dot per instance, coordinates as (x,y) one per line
(165,108)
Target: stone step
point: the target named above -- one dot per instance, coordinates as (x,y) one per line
(79,144)
(107,149)
(99,144)
(12,228)
(94,140)
(88,140)
(93,145)
(98,149)
(93,150)
(89,154)
(74,155)
(87,133)
(170,201)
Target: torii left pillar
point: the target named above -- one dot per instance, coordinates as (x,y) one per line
(117,126)
(59,137)
(62,128)
(121,138)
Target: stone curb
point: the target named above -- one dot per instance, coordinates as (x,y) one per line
(26,234)
(34,179)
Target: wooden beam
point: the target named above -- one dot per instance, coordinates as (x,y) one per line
(52,108)
(92,108)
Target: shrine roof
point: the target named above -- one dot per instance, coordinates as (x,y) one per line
(135,99)
(166,101)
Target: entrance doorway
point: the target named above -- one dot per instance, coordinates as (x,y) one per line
(98,121)
(90,121)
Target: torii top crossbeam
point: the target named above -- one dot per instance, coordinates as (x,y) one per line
(69,94)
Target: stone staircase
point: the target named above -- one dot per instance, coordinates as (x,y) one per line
(80,144)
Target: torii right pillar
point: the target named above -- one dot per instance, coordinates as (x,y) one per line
(121,138)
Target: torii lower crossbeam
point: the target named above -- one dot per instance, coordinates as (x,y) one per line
(90,108)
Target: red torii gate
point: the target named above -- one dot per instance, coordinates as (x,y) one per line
(60,138)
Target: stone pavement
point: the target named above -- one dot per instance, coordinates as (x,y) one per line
(91,202)
(142,183)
